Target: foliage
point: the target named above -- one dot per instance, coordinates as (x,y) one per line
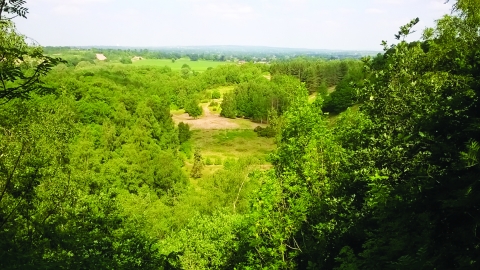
(345,94)
(184,132)
(254,99)
(126,61)
(22,66)
(193,109)
(12,7)
(91,176)
(197,165)
(268,131)
(213,235)
(389,187)
(315,72)
(229,106)
(339,100)
(216,94)
(47,207)
(289,199)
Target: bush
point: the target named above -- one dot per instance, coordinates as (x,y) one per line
(229,163)
(229,107)
(339,100)
(186,148)
(216,94)
(208,161)
(197,165)
(126,61)
(213,104)
(88,74)
(323,89)
(192,108)
(268,132)
(184,132)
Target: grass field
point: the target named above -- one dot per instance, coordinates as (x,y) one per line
(200,65)
(223,144)
(218,146)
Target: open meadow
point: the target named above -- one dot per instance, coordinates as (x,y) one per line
(221,139)
(200,65)
(220,146)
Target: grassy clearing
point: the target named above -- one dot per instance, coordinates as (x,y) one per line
(177,111)
(223,90)
(200,65)
(220,146)
(224,144)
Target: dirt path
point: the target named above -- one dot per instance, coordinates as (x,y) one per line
(213,121)
(206,111)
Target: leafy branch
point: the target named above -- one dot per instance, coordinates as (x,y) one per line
(12,7)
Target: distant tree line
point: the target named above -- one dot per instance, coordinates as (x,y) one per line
(256,99)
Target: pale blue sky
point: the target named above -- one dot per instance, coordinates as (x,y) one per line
(317,24)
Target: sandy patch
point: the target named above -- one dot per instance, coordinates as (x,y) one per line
(213,121)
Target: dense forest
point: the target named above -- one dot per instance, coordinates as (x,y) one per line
(320,163)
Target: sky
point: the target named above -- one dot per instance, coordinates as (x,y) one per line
(313,24)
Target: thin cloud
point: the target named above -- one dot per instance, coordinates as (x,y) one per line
(225,10)
(374,11)
(347,11)
(391,2)
(78,2)
(67,10)
(440,6)
(73,7)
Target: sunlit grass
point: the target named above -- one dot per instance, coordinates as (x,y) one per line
(224,144)
(200,65)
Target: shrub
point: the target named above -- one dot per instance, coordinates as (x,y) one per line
(186,148)
(229,163)
(216,94)
(184,132)
(339,100)
(268,132)
(208,161)
(193,109)
(197,165)
(126,61)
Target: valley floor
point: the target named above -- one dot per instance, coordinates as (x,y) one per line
(211,120)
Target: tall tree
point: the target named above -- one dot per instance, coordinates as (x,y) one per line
(394,186)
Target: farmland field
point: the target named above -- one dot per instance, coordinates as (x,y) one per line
(200,65)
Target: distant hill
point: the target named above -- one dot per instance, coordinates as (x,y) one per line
(229,49)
